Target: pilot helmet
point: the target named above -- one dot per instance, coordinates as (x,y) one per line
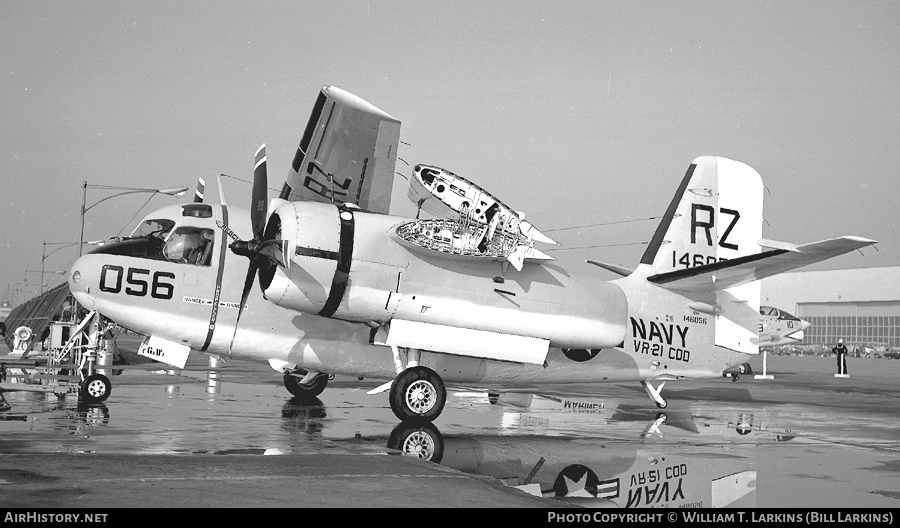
(180,245)
(174,249)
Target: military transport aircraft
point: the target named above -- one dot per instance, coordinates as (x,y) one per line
(345,289)
(777,327)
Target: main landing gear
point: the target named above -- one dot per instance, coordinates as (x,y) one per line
(305,383)
(418,393)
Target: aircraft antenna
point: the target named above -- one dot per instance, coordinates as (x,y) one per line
(602,224)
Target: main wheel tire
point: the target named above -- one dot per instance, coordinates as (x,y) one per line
(96,388)
(418,395)
(419,440)
(310,389)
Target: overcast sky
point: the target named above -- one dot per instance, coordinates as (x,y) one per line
(577,113)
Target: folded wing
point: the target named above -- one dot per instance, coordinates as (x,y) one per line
(346,155)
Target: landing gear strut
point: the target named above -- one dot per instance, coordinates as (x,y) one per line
(654,393)
(305,384)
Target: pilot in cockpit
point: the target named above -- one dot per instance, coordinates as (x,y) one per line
(190,245)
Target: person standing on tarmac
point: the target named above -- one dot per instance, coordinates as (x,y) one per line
(841,352)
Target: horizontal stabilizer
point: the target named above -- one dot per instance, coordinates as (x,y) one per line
(615,268)
(467,342)
(729,273)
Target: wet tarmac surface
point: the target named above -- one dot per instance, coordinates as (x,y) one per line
(803,439)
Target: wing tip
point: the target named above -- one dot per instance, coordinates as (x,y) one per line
(348,99)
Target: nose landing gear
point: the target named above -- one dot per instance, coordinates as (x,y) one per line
(95,389)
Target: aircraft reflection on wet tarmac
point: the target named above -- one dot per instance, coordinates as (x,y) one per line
(579,471)
(596,450)
(594,472)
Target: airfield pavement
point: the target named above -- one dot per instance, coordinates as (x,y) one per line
(230,437)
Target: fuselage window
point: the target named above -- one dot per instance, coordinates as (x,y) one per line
(190,245)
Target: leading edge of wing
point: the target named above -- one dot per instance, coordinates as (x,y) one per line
(728,273)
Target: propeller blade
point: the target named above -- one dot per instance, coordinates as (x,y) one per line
(248,284)
(275,250)
(201,187)
(260,194)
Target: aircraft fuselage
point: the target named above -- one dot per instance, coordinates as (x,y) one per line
(657,335)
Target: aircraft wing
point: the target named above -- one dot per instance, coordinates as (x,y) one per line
(347,154)
(728,273)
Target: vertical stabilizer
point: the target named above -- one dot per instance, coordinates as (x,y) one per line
(716,215)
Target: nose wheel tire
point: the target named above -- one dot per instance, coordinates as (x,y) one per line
(95,389)
(418,394)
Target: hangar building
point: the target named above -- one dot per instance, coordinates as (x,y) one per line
(860,305)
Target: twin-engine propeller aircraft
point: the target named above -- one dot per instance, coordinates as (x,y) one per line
(777,327)
(343,291)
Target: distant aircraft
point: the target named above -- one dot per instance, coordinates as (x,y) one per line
(343,290)
(777,327)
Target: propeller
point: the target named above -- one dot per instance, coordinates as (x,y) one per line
(201,187)
(262,251)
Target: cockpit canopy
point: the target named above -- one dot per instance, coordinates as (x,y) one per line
(156,228)
(775,312)
(159,239)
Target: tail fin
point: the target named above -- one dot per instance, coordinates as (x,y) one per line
(715,215)
(708,248)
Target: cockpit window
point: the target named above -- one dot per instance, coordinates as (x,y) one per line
(153,228)
(190,245)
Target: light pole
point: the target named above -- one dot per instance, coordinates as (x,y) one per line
(42,272)
(172,191)
(44,256)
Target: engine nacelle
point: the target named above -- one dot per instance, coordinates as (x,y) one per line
(326,242)
(314,230)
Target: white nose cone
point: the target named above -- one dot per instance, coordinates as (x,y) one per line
(79,284)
